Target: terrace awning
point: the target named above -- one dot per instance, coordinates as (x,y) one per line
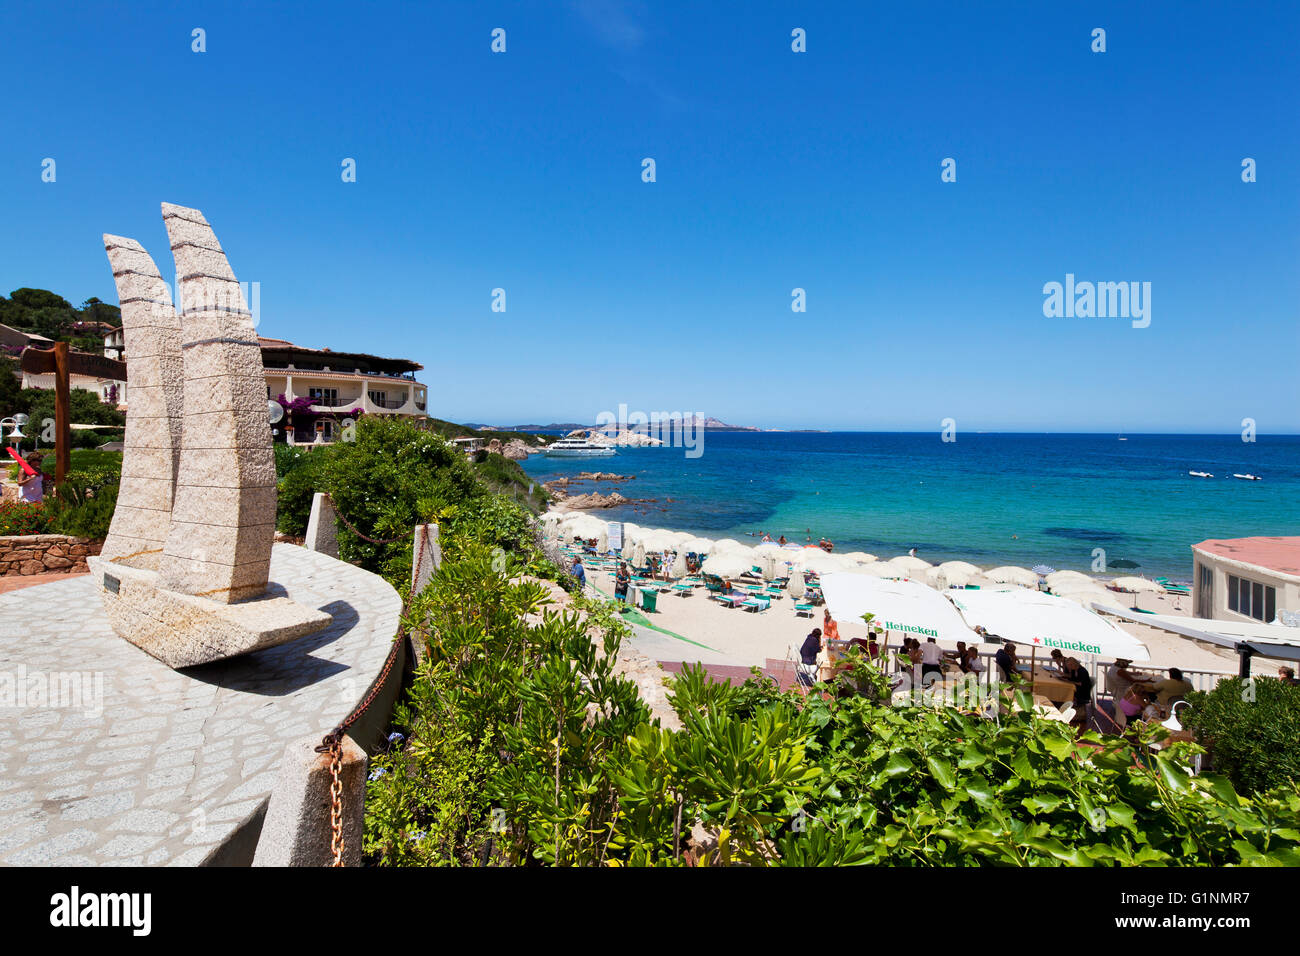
(905,607)
(1047,621)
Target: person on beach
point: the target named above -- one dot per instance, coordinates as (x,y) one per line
(580,573)
(31,488)
(621,580)
(781,540)
(766,536)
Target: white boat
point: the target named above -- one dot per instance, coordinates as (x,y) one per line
(578,448)
(1247,477)
(1200,474)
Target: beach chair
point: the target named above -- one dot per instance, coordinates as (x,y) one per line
(803,610)
(755,605)
(713,583)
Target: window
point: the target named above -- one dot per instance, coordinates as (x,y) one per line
(324,396)
(379,398)
(1252,599)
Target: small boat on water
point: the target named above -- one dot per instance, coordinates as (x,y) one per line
(578,448)
(1200,474)
(1248,477)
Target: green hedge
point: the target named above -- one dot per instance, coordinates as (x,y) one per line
(1252,730)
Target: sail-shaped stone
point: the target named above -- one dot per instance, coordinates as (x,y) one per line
(151,337)
(223,519)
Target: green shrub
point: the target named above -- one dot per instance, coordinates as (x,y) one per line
(90,519)
(1252,731)
(301,475)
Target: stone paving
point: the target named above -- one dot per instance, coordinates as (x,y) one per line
(174,761)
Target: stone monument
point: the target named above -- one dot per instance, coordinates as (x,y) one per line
(184,570)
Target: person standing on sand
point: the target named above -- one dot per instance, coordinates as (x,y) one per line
(580,573)
(621,580)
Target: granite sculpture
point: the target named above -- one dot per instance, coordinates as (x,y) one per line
(184,570)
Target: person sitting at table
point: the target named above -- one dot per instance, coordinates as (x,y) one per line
(931,661)
(1006,661)
(1131,705)
(1082,681)
(1057,663)
(1170,690)
(1119,679)
(960,657)
(873,646)
(973,664)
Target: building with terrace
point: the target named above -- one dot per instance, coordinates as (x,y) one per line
(320,388)
(1247,579)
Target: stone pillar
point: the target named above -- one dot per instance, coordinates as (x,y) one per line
(322,527)
(422,573)
(297,827)
(223,520)
(151,334)
(424,566)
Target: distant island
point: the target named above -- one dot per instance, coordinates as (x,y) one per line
(697,421)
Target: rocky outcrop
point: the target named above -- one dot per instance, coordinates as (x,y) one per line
(596,500)
(627,438)
(516,450)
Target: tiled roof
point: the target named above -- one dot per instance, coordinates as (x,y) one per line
(1281,554)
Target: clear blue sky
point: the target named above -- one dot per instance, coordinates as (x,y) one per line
(775,170)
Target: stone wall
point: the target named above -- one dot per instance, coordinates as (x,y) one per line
(45,553)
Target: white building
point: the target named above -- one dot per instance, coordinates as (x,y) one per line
(1246,579)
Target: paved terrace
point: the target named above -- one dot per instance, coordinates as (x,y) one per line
(176,761)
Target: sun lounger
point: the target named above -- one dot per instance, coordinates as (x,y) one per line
(755,604)
(803,610)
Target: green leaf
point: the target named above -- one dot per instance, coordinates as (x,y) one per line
(898,765)
(941,770)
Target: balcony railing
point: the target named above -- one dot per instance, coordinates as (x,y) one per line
(326,402)
(389,403)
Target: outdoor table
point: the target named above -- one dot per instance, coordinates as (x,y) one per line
(1055,688)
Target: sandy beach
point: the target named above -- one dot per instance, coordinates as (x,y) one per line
(694,628)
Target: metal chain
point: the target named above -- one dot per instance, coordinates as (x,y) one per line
(332,743)
(358,532)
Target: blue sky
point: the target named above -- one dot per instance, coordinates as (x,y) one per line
(775,170)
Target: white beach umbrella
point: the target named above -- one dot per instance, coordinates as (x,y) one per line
(652,539)
(1085,594)
(638,555)
(679,565)
(902,569)
(907,607)
(1010,574)
(822,561)
(963,566)
(796,588)
(1135,585)
(770,565)
(880,569)
(728,544)
(1048,622)
(602,540)
(1059,578)
(727,564)
(861,557)
(910,563)
(767,547)
(697,545)
(946,577)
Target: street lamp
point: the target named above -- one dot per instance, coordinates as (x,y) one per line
(16,435)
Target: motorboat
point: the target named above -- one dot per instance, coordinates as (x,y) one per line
(578,448)
(1248,477)
(1200,474)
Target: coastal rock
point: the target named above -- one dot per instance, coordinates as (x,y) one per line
(599,476)
(596,500)
(624,437)
(516,450)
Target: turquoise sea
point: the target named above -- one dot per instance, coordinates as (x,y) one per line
(987,498)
